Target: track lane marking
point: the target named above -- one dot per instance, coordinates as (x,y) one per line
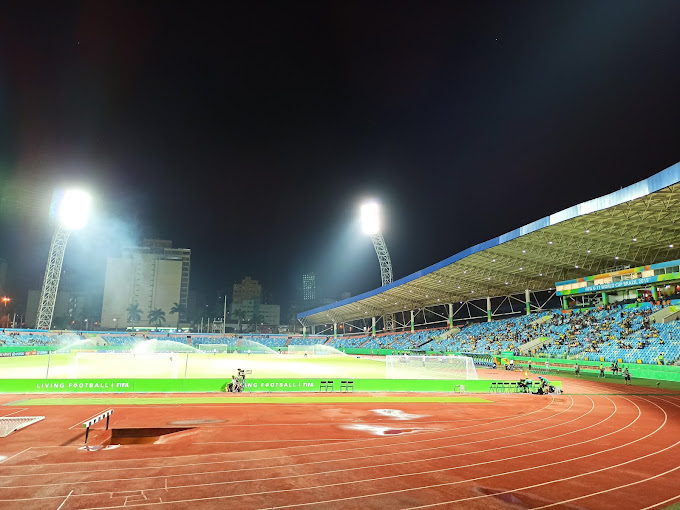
(552,416)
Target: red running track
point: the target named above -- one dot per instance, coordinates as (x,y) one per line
(521,451)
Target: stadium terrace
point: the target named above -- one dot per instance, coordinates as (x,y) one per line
(516,272)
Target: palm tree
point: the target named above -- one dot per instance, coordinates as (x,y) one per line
(177,309)
(256,319)
(239,315)
(157,316)
(134,314)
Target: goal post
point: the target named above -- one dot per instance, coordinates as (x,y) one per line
(430,367)
(315,350)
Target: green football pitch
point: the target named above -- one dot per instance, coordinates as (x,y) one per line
(89,365)
(193,365)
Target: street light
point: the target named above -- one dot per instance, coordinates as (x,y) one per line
(371,226)
(72,207)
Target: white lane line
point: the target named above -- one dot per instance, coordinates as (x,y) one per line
(620,486)
(375,466)
(267,458)
(664,503)
(314,488)
(350,459)
(322,452)
(64,502)
(20,410)
(15,455)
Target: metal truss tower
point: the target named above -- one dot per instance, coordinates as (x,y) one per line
(48,296)
(385,272)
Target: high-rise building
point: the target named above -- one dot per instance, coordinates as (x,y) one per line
(309,287)
(71,309)
(248,289)
(154,275)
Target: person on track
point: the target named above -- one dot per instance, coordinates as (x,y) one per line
(529,365)
(626,376)
(601,370)
(577,370)
(543,386)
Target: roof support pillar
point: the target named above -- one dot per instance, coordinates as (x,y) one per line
(488,309)
(304,331)
(565,306)
(527,299)
(655,294)
(605,299)
(450,321)
(413,324)
(335,330)
(373,326)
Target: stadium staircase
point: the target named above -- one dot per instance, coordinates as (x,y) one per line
(538,343)
(290,339)
(665,315)
(541,320)
(367,341)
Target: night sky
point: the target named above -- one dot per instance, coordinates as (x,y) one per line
(250,131)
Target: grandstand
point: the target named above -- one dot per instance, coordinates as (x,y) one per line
(584,283)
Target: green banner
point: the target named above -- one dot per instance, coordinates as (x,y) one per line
(252,385)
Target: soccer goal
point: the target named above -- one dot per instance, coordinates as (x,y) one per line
(212,348)
(315,350)
(430,367)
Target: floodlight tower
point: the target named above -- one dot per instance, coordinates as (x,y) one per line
(370,225)
(72,209)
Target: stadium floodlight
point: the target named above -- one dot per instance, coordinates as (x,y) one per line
(72,208)
(370,225)
(370,218)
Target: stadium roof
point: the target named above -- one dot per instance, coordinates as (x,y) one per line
(633,226)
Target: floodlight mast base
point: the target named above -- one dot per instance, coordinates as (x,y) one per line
(385,273)
(48,295)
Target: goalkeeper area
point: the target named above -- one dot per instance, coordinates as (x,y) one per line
(430,367)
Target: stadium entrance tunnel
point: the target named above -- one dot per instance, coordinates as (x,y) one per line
(147,435)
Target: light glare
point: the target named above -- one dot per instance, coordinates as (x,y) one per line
(370,218)
(73,209)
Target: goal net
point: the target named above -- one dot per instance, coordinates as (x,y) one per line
(315,350)
(430,367)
